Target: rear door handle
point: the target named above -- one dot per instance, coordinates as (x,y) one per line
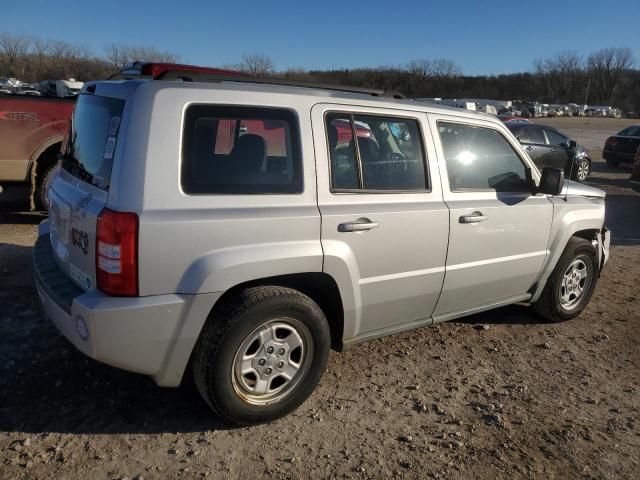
(475,217)
(360,225)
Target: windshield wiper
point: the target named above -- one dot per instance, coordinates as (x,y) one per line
(73,165)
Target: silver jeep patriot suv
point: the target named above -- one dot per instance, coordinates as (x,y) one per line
(235,229)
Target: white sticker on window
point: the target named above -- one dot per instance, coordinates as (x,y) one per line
(113,125)
(109,148)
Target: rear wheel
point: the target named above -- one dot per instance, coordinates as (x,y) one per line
(261,354)
(571,284)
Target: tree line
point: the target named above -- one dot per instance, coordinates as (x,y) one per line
(605,77)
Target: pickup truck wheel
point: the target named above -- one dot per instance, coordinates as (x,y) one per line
(42,185)
(570,286)
(261,354)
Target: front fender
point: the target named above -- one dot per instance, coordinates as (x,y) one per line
(575,214)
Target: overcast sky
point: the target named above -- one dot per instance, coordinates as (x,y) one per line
(482,36)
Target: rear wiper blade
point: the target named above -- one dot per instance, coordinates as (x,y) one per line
(75,167)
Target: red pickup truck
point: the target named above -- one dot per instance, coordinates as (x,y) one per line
(31,134)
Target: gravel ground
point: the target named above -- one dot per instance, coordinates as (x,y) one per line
(497,395)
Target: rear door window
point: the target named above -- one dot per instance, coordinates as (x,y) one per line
(342,153)
(95,128)
(240,150)
(388,154)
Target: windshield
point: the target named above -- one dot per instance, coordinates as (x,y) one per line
(92,139)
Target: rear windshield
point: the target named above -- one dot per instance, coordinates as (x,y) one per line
(92,139)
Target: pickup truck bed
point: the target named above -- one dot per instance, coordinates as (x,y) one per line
(31,133)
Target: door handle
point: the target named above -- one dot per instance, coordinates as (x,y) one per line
(360,225)
(554,149)
(475,217)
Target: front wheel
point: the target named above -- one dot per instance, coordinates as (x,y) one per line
(571,284)
(582,170)
(261,354)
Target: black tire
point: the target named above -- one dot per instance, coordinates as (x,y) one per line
(228,328)
(549,304)
(42,181)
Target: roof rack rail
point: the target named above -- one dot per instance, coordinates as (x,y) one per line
(190,73)
(205,77)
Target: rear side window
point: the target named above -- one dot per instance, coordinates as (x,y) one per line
(240,150)
(92,140)
(480,158)
(387,153)
(531,135)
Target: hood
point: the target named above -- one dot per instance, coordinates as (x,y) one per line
(580,150)
(580,189)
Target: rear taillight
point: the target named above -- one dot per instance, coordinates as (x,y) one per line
(117,253)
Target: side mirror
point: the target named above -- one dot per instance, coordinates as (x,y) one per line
(551,181)
(572,144)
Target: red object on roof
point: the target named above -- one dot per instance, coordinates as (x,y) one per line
(159,70)
(155,70)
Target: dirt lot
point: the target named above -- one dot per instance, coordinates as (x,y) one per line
(519,399)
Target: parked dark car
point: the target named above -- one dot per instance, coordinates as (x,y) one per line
(622,147)
(549,147)
(513,118)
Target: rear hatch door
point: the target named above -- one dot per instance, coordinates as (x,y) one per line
(79,191)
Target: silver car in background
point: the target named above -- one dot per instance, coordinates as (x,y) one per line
(235,229)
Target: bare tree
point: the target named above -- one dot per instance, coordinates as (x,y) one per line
(444,68)
(40,49)
(606,68)
(256,64)
(119,55)
(422,67)
(114,54)
(560,75)
(14,50)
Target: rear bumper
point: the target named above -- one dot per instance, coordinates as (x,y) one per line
(150,335)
